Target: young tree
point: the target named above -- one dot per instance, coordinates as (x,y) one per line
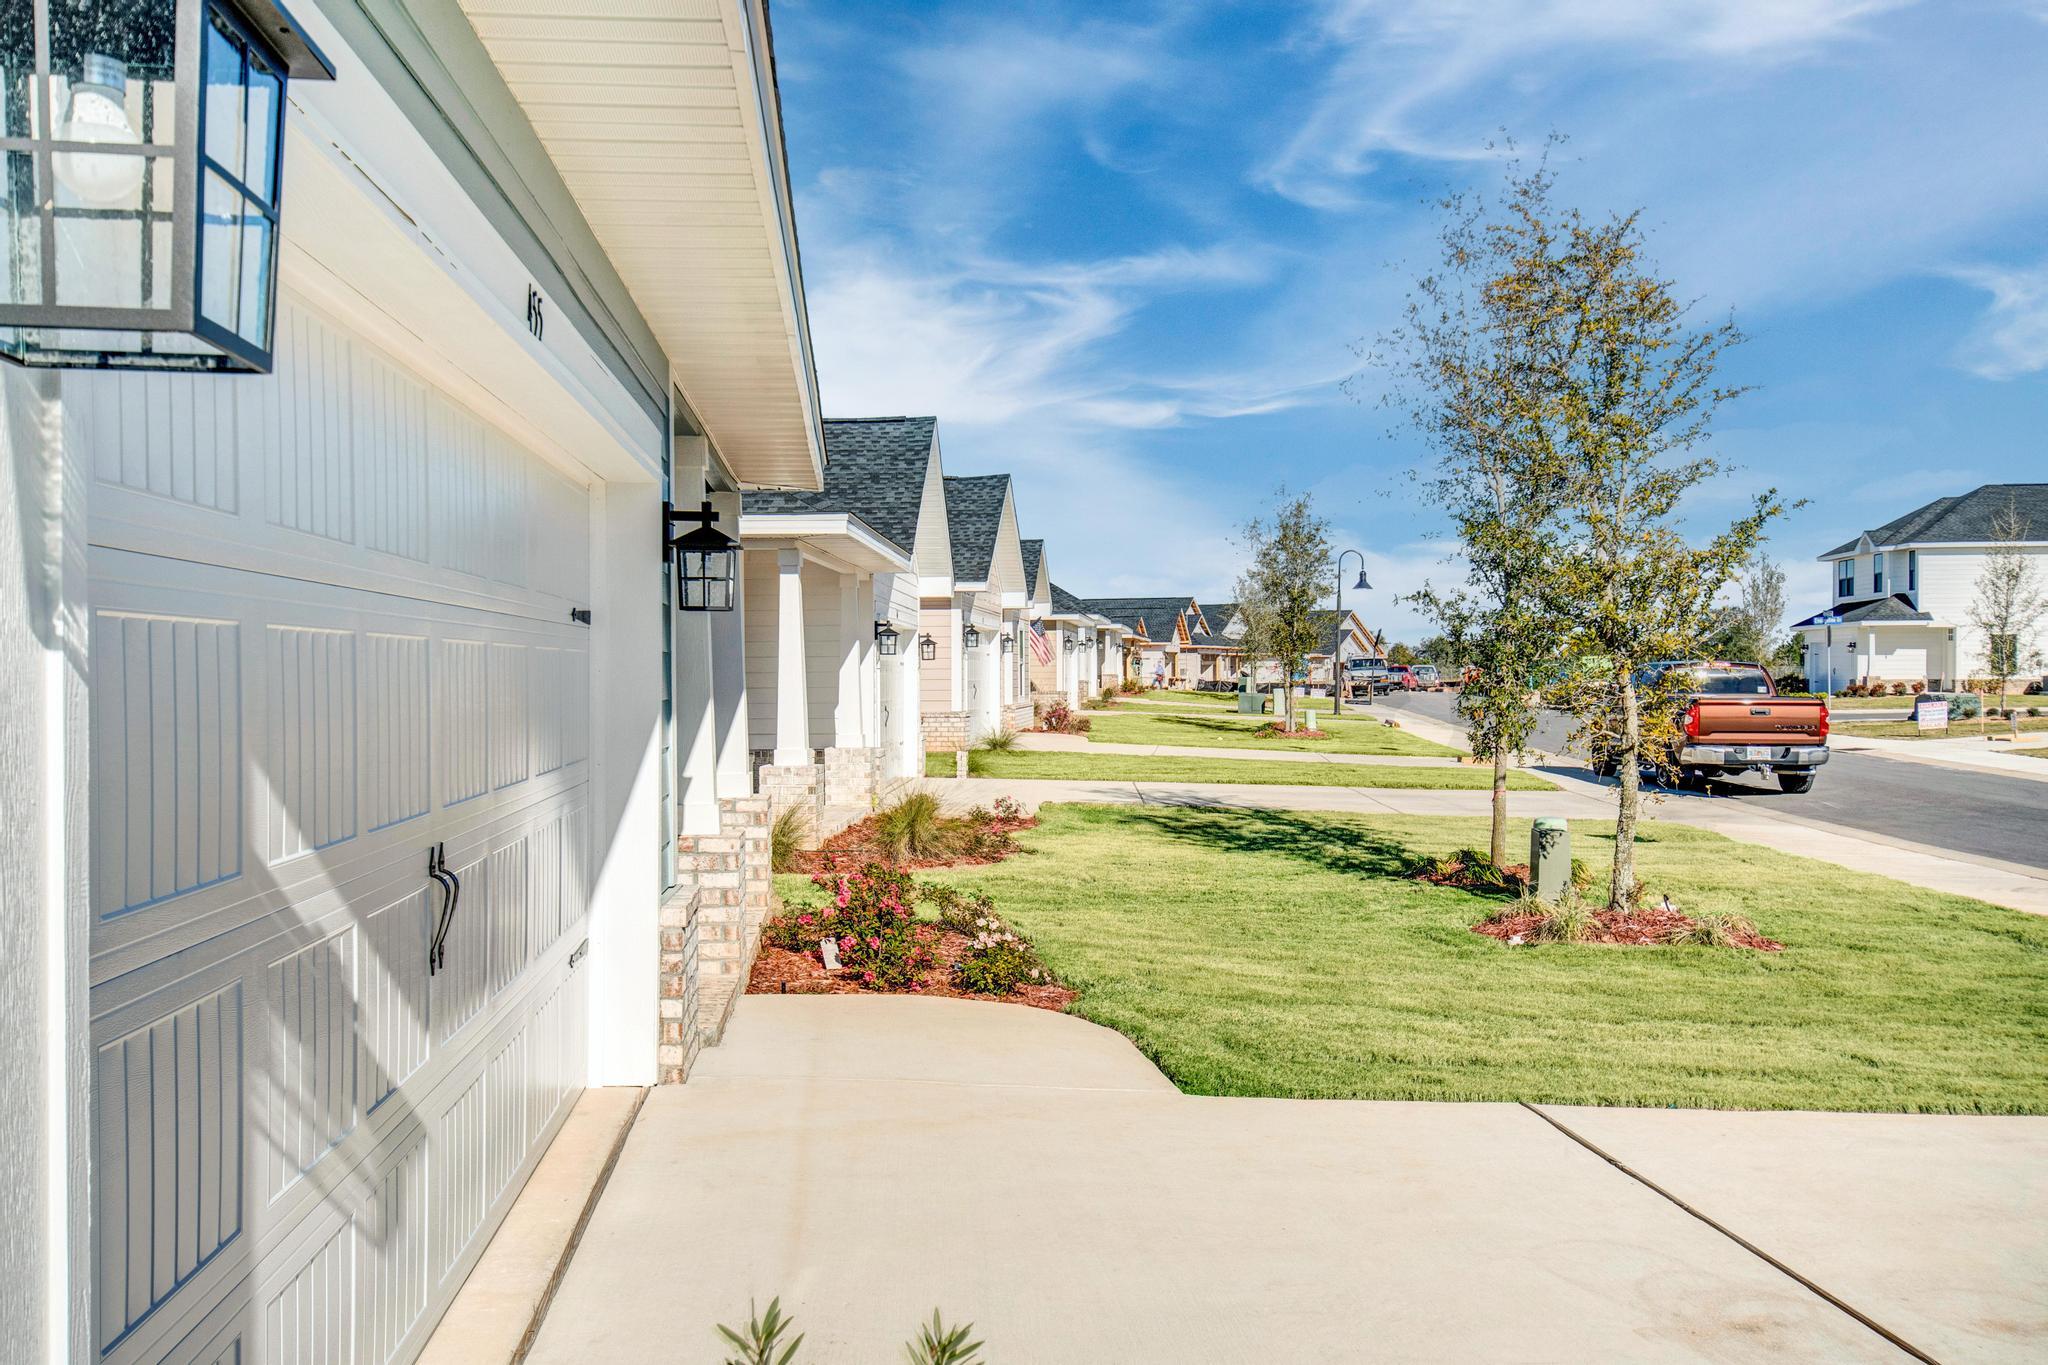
(1759,611)
(1628,385)
(1469,366)
(2011,604)
(1280,592)
(1402,654)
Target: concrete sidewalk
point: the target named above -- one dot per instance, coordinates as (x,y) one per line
(869,1158)
(1963,751)
(1081,744)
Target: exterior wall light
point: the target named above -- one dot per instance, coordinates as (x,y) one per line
(970,637)
(886,637)
(1009,643)
(1070,644)
(706,560)
(141,161)
(927,648)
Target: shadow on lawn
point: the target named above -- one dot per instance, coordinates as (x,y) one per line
(1337,847)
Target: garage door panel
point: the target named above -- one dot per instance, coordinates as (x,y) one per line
(340,467)
(330,633)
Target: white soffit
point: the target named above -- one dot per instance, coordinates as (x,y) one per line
(652,113)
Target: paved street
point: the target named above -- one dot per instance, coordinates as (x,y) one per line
(1976,813)
(871,1157)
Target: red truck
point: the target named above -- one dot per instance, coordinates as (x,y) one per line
(1733,721)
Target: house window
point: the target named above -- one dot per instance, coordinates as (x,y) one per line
(1845,577)
(1912,571)
(1877,572)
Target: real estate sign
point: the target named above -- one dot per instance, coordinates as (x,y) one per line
(1932,715)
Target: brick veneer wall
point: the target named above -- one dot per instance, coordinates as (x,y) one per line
(711,928)
(945,731)
(852,777)
(1019,715)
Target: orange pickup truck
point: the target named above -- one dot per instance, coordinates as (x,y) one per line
(1734,721)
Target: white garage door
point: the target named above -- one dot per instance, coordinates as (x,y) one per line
(330,632)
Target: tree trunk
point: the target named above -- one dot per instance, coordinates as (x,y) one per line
(1499,849)
(1622,890)
(1287,701)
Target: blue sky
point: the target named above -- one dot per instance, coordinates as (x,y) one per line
(1123,252)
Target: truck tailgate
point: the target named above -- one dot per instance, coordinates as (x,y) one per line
(1760,720)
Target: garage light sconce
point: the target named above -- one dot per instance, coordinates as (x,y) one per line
(141,159)
(1070,644)
(706,560)
(927,648)
(886,637)
(970,636)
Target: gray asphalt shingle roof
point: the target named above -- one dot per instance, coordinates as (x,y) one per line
(875,469)
(1869,611)
(974,514)
(1965,519)
(1034,555)
(1153,615)
(1065,603)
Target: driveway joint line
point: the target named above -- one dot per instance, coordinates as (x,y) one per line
(1751,1247)
(590,1201)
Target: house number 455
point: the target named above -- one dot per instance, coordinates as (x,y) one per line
(536,319)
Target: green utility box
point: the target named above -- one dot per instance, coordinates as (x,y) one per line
(1550,858)
(1250,701)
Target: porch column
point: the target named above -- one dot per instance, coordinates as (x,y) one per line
(848,713)
(868,662)
(792,690)
(728,631)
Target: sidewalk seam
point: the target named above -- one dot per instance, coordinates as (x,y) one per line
(1751,1247)
(604,1178)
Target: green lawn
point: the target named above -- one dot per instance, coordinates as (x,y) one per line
(1961,729)
(1235,732)
(1225,701)
(1274,953)
(1022,763)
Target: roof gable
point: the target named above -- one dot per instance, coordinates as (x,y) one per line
(876,469)
(974,522)
(1966,519)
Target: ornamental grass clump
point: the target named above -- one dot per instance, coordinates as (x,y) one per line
(1001,742)
(912,829)
(786,839)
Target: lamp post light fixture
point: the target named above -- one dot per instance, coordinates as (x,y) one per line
(706,560)
(886,637)
(141,164)
(927,648)
(970,636)
(1337,654)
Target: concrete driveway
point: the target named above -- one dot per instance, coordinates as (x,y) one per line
(869,1158)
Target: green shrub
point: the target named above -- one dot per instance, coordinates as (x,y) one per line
(880,941)
(941,1345)
(1001,742)
(955,909)
(763,1335)
(997,960)
(786,838)
(912,829)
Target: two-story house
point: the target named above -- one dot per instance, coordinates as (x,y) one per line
(1903,592)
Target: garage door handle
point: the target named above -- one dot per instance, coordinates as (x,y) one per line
(451,889)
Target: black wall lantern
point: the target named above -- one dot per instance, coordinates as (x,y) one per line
(927,648)
(970,637)
(1070,644)
(141,160)
(1009,643)
(706,560)
(886,637)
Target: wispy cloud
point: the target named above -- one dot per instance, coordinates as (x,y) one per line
(2011,339)
(1400,74)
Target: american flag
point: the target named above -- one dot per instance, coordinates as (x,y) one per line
(1041,648)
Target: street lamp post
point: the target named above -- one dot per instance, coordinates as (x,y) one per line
(1337,650)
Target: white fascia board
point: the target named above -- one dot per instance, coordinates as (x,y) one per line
(935,585)
(1016,601)
(977,585)
(836,535)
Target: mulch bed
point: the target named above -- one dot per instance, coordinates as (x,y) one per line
(859,844)
(1271,731)
(777,971)
(1652,926)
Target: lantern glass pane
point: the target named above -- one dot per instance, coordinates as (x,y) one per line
(259,165)
(224,81)
(21,231)
(114,242)
(220,250)
(17,67)
(253,313)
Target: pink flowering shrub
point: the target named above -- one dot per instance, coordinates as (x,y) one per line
(868,914)
(1060,719)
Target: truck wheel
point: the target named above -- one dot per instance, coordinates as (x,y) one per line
(1604,768)
(1793,784)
